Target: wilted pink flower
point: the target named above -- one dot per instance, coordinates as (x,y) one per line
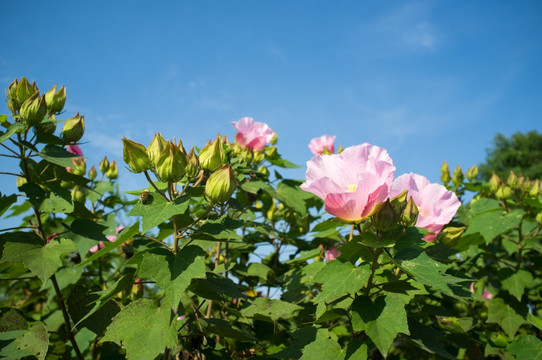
(75,149)
(332,253)
(319,144)
(486,294)
(111,238)
(351,183)
(437,206)
(252,135)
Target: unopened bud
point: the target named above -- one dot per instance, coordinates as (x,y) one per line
(535,188)
(494,183)
(221,185)
(450,235)
(192,167)
(274,139)
(271,151)
(257,157)
(340,149)
(264,171)
(504,192)
(112,171)
(135,156)
(212,156)
(33,110)
(181,147)
(155,148)
(457,177)
(472,173)
(46,127)
(92,173)
(78,195)
(445,173)
(513,180)
(11,96)
(55,99)
(104,165)
(79,166)
(272,213)
(386,218)
(25,90)
(539,218)
(73,129)
(171,164)
(21,181)
(409,217)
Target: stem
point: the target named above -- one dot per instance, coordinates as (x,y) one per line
(351,232)
(8,173)
(154,186)
(374,264)
(520,246)
(217,261)
(157,241)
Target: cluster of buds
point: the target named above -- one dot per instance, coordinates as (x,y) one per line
(395,212)
(520,186)
(457,177)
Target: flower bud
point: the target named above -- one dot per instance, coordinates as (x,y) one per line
(212,156)
(472,173)
(171,164)
(33,110)
(104,165)
(386,218)
(79,166)
(135,156)
(181,147)
(46,127)
(513,180)
(494,183)
(257,157)
(445,173)
(535,188)
(539,218)
(192,167)
(25,90)
(78,195)
(73,129)
(457,177)
(274,139)
(271,151)
(92,173)
(450,235)
(155,148)
(221,185)
(504,192)
(409,217)
(21,181)
(340,149)
(112,172)
(263,170)
(11,96)
(55,100)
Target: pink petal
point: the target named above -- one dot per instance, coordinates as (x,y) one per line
(317,145)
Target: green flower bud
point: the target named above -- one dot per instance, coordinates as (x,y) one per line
(494,183)
(33,110)
(155,148)
(504,192)
(457,177)
(55,100)
(445,173)
(171,164)
(221,185)
(271,151)
(11,96)
(192,167)
(92,173)
(135,156)
(409,217)
(104,165)
(181,147)
(535,188)
(472,173)
(21,181)
(263,170)
(274,139)
(78,195)
(450,235)
(272,213)
(386,218)
(112,172)
(79,166)
(212,156)
(340,149)
(73,129)
(25,90)
(539,218)
(257,157)
(513,181)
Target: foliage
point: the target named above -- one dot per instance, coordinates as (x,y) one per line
(520,153)
(241,273)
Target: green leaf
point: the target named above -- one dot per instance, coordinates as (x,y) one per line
(28,248)
(143,329)
(323,349)
(13,128)
(491,224)
(340,278)
(57,155)
(428,339)
(34,341)
(216,287)
(526,347)
(535,321)
(259,270)
(173,273)
(34,192)
(382,319)
(223,328)
(305,255)
(6,202)
(223,228)
(156,209)
(87,234)
(12,320)
(508,316)
(515,282)
(290,194)
(58,201)
(274,308)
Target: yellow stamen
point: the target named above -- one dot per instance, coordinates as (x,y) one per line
(351,188)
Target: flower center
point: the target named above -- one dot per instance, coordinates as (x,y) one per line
(351,188)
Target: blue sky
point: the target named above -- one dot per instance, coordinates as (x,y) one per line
(427,80)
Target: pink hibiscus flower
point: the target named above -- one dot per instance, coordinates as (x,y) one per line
(75,149)
(252,135)
(319,144)
(437,206)
(111,238)
(351,183)
(332,253)
(486,294)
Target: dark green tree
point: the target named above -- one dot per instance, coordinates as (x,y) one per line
(521,153)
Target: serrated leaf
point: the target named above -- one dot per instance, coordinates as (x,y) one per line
(516,282)
(491,224)
(143,329)
(156,210)
(13,128)
(12,320)
(216,287)
(508,316)
(34,341)
(323,349)
(173,273)
(223,228)
(58,201)
(6,202)
(28,248)
(382,319)
(87,234)
(57,155)
(34,193)
(274,308)
(340,278)
(526,347)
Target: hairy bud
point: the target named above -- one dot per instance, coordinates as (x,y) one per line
(472,173)
(457,177)
(55,100)
(104,165)
(112,172)
(33,110)
(135,156)
(171,164)
(155,148)
(73,129)
(212,156)
(445,173)
(192,167)
(220,185)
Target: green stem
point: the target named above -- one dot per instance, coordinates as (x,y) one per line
(154,186)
